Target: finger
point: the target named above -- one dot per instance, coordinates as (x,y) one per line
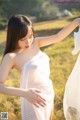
(41,104)
(38,91)
(39,97)
(36,105)
(41,101)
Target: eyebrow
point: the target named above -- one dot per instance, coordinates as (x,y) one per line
(31,34)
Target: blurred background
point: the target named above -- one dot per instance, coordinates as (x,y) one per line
(49,17)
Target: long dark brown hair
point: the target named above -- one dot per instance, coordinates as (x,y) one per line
(17,29)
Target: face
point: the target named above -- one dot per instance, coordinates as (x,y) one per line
(26,41)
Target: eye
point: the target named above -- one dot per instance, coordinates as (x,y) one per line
(31,36)
(22,39)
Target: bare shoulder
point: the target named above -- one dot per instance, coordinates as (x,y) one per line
(9,56)
(36,41)
(39,41)
(6,65)
(9,59)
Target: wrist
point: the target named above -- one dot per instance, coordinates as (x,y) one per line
(24,93)
(77,21)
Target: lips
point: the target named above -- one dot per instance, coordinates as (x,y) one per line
(27,46)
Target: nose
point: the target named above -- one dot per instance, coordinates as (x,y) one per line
(27,41)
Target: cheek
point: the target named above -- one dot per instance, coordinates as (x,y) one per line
(31,40)
(21,44)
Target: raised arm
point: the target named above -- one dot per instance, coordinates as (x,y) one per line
(61,35)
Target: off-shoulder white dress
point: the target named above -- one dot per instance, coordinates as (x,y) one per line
(35,74)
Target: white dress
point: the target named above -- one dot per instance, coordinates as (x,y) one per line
(35,74)
(71,101)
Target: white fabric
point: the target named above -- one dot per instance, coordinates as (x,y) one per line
(35,74)
(76,42)
(71,101)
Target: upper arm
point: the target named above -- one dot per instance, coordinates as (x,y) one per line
(5,67)
(47,40)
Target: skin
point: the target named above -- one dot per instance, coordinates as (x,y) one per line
(17,59)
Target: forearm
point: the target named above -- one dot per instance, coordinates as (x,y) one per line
(67,30)
(11,90)
(44,41)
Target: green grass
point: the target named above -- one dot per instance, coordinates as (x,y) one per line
(61,64)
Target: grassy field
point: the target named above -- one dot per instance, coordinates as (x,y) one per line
(61,64)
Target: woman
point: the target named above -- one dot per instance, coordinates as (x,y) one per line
(23,53)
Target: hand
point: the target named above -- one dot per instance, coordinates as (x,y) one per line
(32,95)
(78,21)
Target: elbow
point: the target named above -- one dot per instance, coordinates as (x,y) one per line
(2,81)
(59,37)
(2,78)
